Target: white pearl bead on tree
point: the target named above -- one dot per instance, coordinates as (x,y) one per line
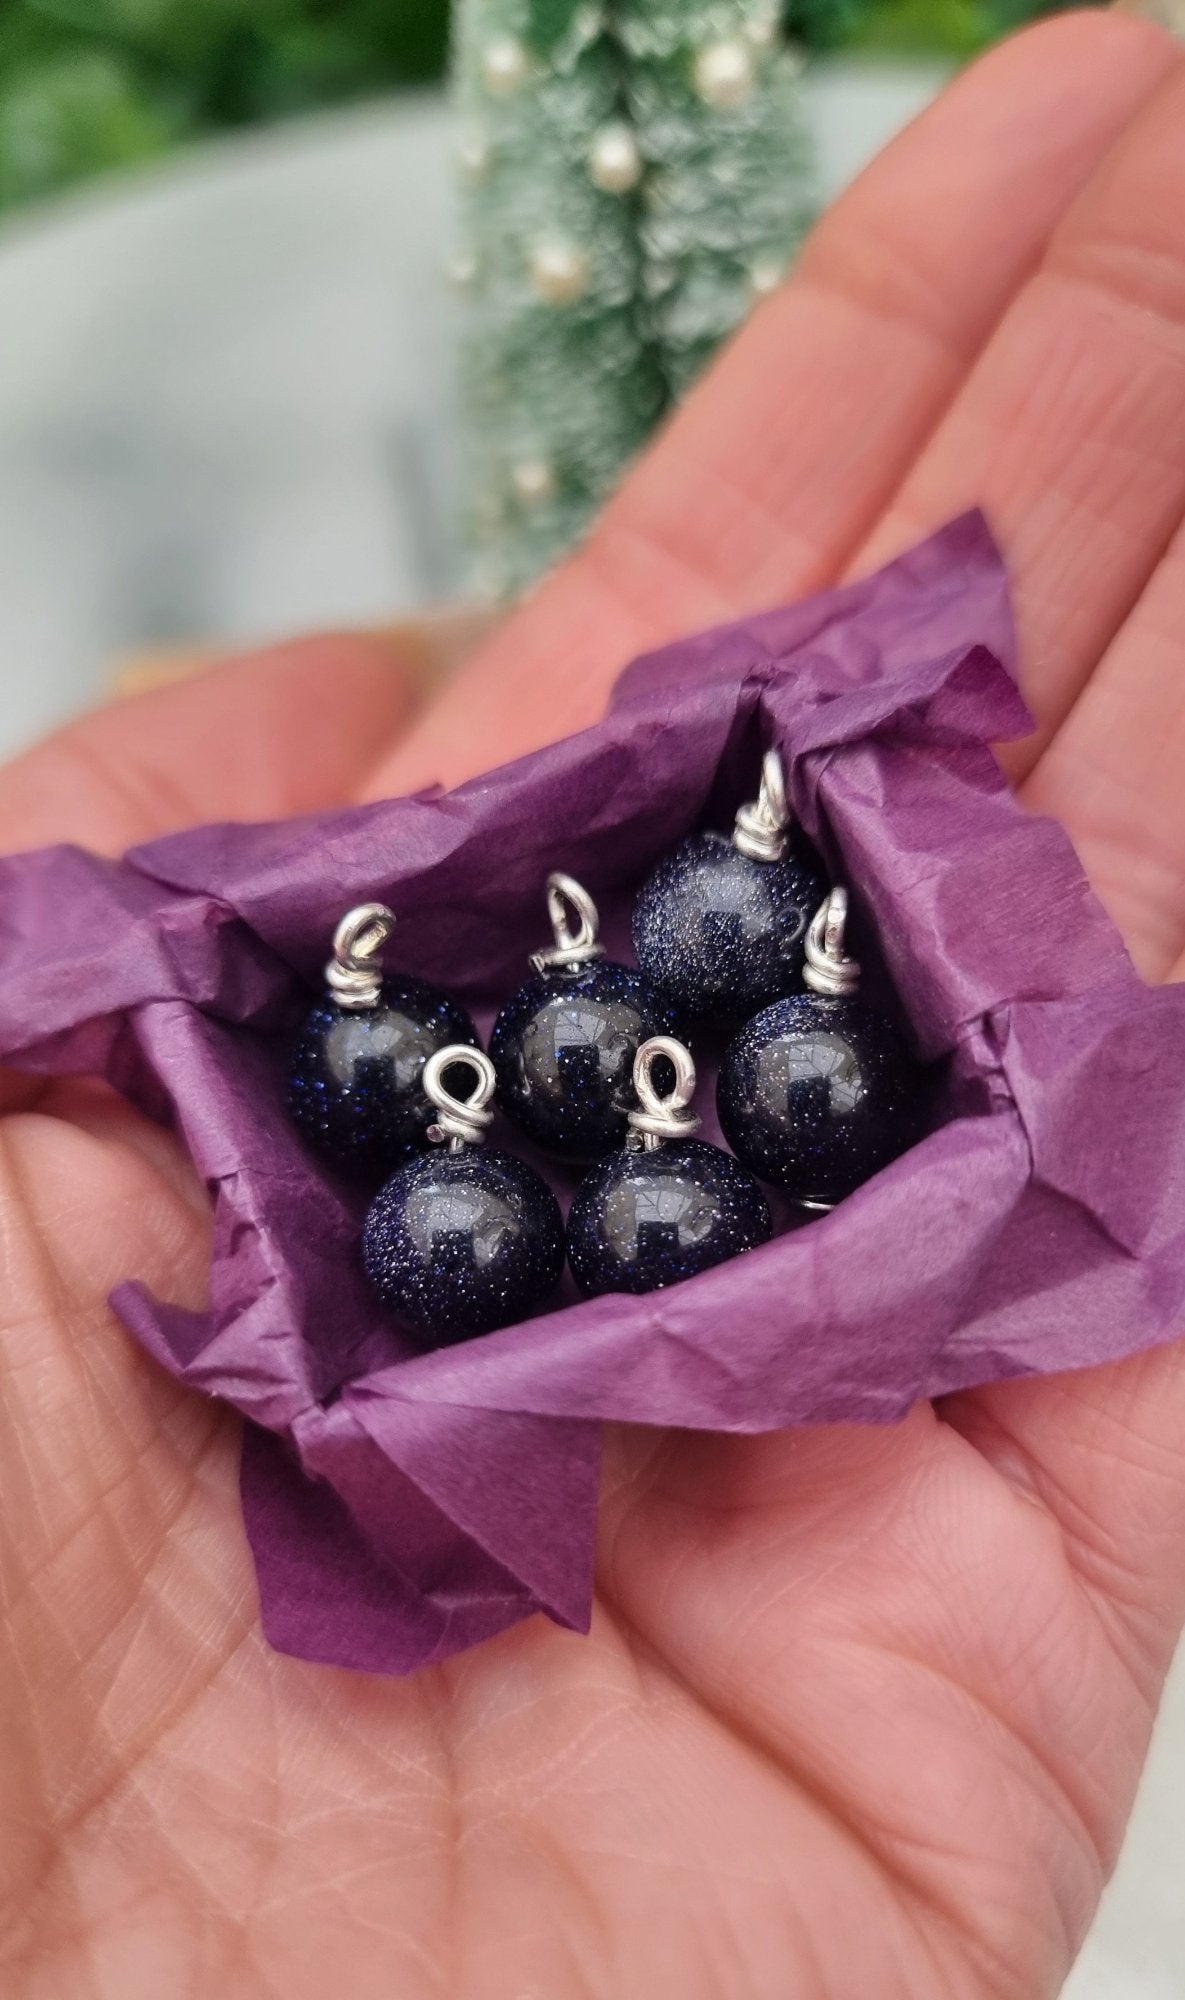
(503,65)
(765,275)
(559,273)
(533,481)
(614,162)
(472,155)
(763,28)
(724,75)
(461,270)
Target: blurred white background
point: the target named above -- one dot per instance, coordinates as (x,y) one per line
(225,402)
(225,415)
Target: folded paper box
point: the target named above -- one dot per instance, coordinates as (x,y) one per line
(403,1505)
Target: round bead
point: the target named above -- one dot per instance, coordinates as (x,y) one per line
(461,270)
(722,933)
(559,273)
(457,1244)
(504,66)
(817,1094)
(724,75)
(564,1049)
(765,275)
(614,162)
(472,154)
(354,1084)
(647,1219)
(533,481)
(763,28)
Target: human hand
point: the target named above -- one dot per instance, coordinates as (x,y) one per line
(862,1711)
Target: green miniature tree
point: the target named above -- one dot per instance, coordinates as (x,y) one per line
(635,175)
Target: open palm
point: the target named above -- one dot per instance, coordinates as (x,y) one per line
(861,1712)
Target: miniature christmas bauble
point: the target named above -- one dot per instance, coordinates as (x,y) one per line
(355,1081)
(663,1208)
(461,1241)
(564,1045)
(721,923)
(818,1092)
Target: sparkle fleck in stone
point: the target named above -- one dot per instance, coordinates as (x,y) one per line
(564,1049)
(722,933)
(354,1083)
(643,1220)
(457,1244)
(816,1094)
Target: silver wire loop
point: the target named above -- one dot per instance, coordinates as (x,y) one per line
(760,831)
(827,970)
(572,946)
(460,1121)
(658,1119)
(353,977)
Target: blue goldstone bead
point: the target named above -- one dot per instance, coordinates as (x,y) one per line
(723,933)
(643,1220)
(457,1244)
(816,1094)
(564,1050)
(354,1083)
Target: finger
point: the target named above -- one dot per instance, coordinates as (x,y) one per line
(1071,429)
(1114,773)
(285,731)
(772,473)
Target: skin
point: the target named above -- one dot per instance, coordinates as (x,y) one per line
(862,1711)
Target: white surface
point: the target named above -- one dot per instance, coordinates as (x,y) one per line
(1136,1950)
(224,412)
(221,399)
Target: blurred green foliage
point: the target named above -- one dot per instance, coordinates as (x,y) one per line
(90,84)
(86,85)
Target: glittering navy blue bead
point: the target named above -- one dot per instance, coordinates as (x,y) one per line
(817,1093)
(723,933)
(647,1219)
(564,1050)
(354,1083)
(457,1244)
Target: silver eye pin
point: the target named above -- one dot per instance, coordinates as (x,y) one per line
(828,970)
(762,824)
(354,976)
(658,1119)
(576,944)
(460,1121)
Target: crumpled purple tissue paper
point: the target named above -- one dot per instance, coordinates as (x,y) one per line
(404,1505)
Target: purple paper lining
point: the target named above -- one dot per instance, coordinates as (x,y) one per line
(402,1506)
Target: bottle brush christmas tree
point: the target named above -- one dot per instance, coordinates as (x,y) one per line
(635,175)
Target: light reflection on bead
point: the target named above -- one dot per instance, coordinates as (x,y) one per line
(457,1244)
(354,1086)
(614,162)
(818,1093)
(559,273)
(722,933)
(724,75)
(504,65)
(641,1221)
(564,1048)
